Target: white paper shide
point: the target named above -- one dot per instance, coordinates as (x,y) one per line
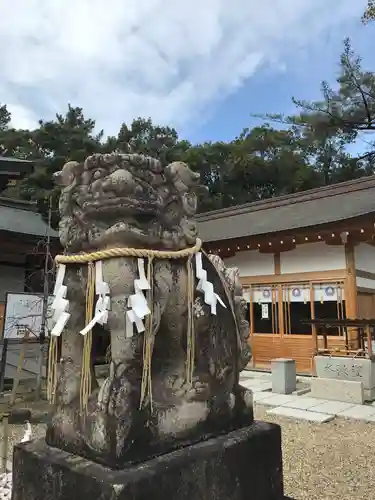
(206,287)
(137,303)
(103,300)
(60,304)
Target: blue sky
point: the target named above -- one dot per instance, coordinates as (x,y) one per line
(202,67)
(270,90)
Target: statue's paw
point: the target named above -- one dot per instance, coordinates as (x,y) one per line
(178,382)
(197,391)
(180,421)
(104,394)
(248,399)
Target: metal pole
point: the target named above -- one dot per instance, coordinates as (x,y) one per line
(42,337)
(3,364)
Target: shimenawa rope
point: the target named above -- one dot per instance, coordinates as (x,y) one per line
(148,339)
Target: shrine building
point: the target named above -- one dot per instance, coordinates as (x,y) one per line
(22,230)
(301,257)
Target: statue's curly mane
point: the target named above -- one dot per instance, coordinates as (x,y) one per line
(127,200)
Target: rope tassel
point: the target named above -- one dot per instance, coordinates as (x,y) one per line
(52,369)
(59,306)
(190,354)
(148,342)
(87,338)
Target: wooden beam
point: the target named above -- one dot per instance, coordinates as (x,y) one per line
(365,274)
(369,291)
(360,229)
(333,275)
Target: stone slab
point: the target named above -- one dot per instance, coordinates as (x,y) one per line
(348,391)
(278,399)
(356,369)
(303,403)
(254,374)
(256,386)
(310,416)
(331,407)
(359,412)
(260,396)
(243,465)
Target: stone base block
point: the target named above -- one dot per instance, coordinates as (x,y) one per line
(243,465)
(369,394)
(345,368)
(284,379)
(337,390)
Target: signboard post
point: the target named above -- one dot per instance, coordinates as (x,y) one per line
(23,313)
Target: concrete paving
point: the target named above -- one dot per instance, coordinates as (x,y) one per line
(331,407)
(277,399)
(359,412)
(311,416)
(257,386)
(304,403)
(303,407)
(260,396)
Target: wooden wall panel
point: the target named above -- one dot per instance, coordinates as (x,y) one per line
(265,348)
(300,348)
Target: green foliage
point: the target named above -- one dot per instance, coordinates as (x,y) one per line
(345,114)
(369,14)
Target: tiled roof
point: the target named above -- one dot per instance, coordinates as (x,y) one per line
(311,208)
(21,217)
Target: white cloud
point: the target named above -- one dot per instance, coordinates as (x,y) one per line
(22,117)
(168,59)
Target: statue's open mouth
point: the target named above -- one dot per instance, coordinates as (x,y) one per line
(122,206)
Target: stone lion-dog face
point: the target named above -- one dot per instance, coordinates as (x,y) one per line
(127,200)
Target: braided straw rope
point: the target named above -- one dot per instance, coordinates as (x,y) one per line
(90,258)
(84,258)
(85,389)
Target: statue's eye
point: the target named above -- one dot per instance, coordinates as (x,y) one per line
(99,172)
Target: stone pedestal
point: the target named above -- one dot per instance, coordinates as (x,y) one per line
(243,465)
(284,378)
(347,391)
(345,368)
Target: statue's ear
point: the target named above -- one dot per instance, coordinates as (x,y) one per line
(67,174)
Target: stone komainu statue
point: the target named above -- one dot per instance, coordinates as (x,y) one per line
(176,317)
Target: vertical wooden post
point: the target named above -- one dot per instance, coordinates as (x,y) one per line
(251,339)
(280,311)
(277,263)
(369,341)
(313,329)
(351,291)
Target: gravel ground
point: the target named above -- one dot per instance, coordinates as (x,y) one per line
(328,461)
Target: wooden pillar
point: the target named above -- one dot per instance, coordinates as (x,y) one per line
(280,316)
(351,285)
(277,263)
(351,292)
